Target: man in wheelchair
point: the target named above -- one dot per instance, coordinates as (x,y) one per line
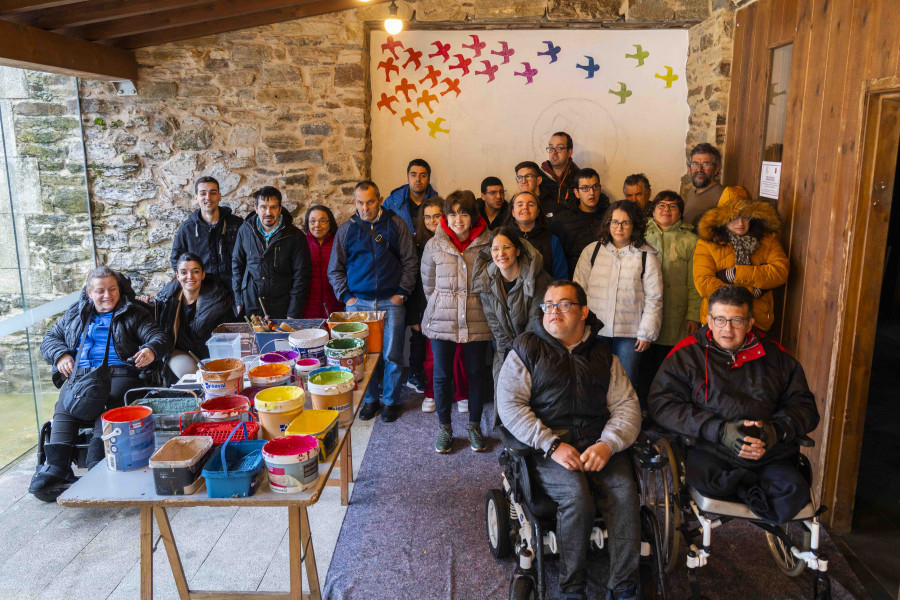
(563,392)
(746,401)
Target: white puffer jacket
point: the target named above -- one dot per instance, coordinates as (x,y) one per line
(454,311)
(628,305)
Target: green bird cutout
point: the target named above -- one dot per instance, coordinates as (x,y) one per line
(623,93)
(639,55)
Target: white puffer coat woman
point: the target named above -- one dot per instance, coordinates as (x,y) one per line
(454,310)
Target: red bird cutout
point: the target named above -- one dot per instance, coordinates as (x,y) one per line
(462,63)
(390,45)
(442,50)
(452,86)
(405,87)
(505,53)
(489,70)
(477,46)
(388,66)
(432,74)
(410,117)
(427,98)
(414,57)
(386,101)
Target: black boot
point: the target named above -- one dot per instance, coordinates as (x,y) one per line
(96,452)
(55,476)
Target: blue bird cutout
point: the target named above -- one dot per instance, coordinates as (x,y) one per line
(591,68)
(552,51)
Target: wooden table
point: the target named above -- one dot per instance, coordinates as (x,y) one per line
(101,487)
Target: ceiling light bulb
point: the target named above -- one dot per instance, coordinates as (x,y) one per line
(393,25)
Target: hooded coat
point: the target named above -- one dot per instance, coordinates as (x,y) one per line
(213,309)
(454,312)
(676,258)
(770,264)
(398,201)
(278,272)
(214,244)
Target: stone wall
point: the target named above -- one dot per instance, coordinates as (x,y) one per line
(286,105)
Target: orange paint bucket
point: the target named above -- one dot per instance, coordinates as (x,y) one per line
(270,374)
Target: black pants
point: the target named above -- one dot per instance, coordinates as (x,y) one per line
(650,363)
(775,491)
(417,342)
(476,370)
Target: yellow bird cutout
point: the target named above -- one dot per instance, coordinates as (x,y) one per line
(435,127)
(669,77)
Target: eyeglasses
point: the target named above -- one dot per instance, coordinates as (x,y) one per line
(318,222)
(498,249)
(557,148)
(460,215)
(562,306)
(436,217)
(615,224)
(705,165)
(736,322)
(524,177)
(667,206)
(587,188)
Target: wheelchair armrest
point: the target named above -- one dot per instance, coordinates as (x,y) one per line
(806,441)
(514,446)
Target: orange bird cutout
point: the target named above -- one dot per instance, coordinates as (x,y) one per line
(452,86)
(435,127)
(405,87)
(410,117)
(432,74)
(427,98)
(386,101)
(388,66)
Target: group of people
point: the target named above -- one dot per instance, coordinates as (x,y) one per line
(582,316)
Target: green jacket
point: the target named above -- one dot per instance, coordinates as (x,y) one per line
(680,297)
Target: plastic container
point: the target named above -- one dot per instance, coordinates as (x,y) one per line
(349,353)
(304,367)
(310,343)
(288,357)
(225,408)
(277,407)
(224,345)
(222,377)
(270,374)
(235,469)
(248,340)
(167,405)
(292,462)
(128,437)
(178,465)
(331,388)
(219,430)
(321,424)
(278,340)
(373,318)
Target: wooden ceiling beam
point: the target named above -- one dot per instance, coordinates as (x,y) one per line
(257,19)
(17,6)
(30,48)
(97,11)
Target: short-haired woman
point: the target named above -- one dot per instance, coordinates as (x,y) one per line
(320,229)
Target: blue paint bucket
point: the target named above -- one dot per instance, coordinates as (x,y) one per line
(128,437)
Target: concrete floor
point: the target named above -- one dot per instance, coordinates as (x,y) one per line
(49,552)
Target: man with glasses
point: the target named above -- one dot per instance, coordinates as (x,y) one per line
(562,391)
(578,226)
(493,206)
(559,170)
(703,167)
(528,178)
(746,401)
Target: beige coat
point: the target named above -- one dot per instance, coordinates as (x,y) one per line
(454,311)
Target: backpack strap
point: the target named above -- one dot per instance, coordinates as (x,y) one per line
(643,259)
(379,239)
(594,255)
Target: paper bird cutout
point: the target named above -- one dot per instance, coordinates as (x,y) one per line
(506,52)
(388,66)
(462,63)
(432,74)
(414,57)
(443,50)
(477,46)
(427,98)
(552,51)
(404,87)
(386,101)
(639,55)
(452,86)
(528,73)
(622,93)
(668,77)
(390,45)
(591,68)
(435,127)
(489,70)
(410,117)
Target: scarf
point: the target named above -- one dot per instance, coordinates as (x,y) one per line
(744,247)
(474,232)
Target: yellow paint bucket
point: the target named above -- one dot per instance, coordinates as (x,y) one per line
(277,407)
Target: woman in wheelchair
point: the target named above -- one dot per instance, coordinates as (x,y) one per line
(108,325)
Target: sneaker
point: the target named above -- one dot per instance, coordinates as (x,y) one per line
(623,591)
(416,381)
(389,413)
(428,405)
(476,440)
(463,406)
(444,440)
(369,410)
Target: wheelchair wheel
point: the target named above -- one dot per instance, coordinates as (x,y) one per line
(661,494)
(789,564)
(522,588)
(652,568)
(497,519)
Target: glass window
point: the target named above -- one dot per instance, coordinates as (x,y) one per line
(776,117)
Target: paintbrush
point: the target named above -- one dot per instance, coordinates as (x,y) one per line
(199,362)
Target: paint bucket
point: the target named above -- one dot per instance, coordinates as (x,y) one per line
(292,462)
(347,352)
(128,437)
(288,357)
(271,374)
(225,408)
(304,367)
(331,388)
(309,343)
(351,330)
(251,392)
(277,407)
(319,423)
(374,319)
(178,465)
(222,377)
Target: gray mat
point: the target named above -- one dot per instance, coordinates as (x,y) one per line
(415,529)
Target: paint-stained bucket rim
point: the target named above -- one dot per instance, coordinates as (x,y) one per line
(127,414)
(294,399)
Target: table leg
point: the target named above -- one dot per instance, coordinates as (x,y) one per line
(300,538)
(345,467)
(312,572)
(349,445)
(146,553)
(165,530)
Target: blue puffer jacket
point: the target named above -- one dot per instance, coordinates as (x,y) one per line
(360,267)
(398,202)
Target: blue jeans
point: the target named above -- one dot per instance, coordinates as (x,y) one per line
(623,347)
(476,370)
(388,375)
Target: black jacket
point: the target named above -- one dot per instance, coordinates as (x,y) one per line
(700,387)
(576,229)
(416,303)
(133,329)
(215,245)
(278,272)
(213,308)
(553,195)
(542,239)
(568,389)
(499,220)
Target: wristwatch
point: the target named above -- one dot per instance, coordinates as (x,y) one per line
(552,448)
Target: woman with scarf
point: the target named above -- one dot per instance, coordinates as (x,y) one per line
(739,245)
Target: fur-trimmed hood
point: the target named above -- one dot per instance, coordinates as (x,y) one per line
(735,202)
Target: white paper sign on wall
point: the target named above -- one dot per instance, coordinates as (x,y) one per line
(770,179)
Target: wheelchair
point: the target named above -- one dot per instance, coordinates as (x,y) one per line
(521,519)
(684,514)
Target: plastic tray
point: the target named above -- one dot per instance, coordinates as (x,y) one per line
(237,468)
(167,404)
(219,431)
(267,342)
